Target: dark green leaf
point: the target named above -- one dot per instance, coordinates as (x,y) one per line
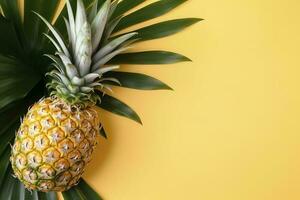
(18,191)
(16,80)
(103,133)
(149,58)
(33,27)
(31,195)
(126,5)
(11,11)
(6,189)
(137,81)
(151,11)
(164,29)
(11,114)
(11,117)
(4,163)
(9,42)
(116,106)
(8,135)
(89,193)
(47,196)
(74,194)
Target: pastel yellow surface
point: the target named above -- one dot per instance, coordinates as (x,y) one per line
(231,128)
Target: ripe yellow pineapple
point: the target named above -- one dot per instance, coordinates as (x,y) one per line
(54,144)
(58,134)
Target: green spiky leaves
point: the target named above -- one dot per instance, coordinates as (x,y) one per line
(79,70)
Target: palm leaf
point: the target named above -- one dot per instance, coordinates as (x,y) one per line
(4,163)
(73,193)
(15,81)
(31,195)
(149,58)
(8,136)
(10,44)
(11,11)
(6,189)
(151,11)
(87,191)
(116,106)
(33,28)
(137,81)
(81,192)
(103,132)
(163,29)
(18,191)
(47,196)
(126,5)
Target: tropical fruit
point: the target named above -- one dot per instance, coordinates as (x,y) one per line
(58,134)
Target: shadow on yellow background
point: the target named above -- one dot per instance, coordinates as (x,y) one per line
(231,128)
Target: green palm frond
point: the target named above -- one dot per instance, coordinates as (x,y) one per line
(23,67)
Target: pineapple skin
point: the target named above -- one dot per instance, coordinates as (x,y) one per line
(54,144)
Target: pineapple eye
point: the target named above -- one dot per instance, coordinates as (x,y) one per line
(46,186)
(55,136)
(29,175)
(27,145)
(64,178)
(74,157)
(66,147)
(51,155)
(61,165)
(40,142)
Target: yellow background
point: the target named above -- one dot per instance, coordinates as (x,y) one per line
(231,128)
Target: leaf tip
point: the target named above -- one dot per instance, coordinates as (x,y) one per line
(187,59)
(138,119)
(168,88)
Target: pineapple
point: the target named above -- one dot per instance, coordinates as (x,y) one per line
(58,134)
(54,144)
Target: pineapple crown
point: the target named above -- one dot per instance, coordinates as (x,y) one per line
(79,65)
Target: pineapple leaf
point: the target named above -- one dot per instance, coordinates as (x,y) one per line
(56,34)
(98,24)
(164,29)
(59,23)
(116,106)
(151,11)
(108,48)
(149,58)
(99,63)
(126,5)
(137,81)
